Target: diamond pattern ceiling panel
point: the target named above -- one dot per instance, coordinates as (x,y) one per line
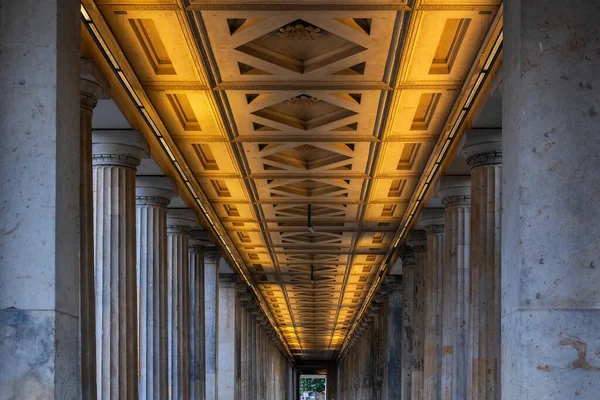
(308,126)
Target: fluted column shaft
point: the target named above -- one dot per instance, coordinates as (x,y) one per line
(211,318)
(485,269)
(408,306)
(196,257)
(434,229)
(90,91)
(246,334)
(178,234)
(226,346)
(152,197)
(456,198)
(114,167)
(418,243)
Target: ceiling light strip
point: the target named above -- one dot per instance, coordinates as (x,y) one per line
(93,29)
(451,135)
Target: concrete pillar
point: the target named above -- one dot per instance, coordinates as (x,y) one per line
(211,307)
(115,157)
(39,199)
(432,221)
(417,241)
(226,337)
(550,191)
(408,301)
(179,225)
(92,87)
(483,152)
(152,195)
(196,261)
(455,193)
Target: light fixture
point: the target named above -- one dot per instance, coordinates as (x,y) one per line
(312,274)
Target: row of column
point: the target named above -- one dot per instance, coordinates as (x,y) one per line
(451,271)
(371,367)
(252,361)
(153,285)
(149,286)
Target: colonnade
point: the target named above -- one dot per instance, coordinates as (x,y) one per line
(369,370)
(106,292)
(102,285)
(449,293)
(167,324)
(508,302)
(446,314)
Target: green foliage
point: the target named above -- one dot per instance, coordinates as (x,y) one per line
(312,385)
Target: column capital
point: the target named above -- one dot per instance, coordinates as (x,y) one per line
(431,220)
(407,255)
(119,147)
(227,280)
(482,147)
(154,190)
(93,85)
(180,220)
(393,283)
(454,190)
(200,238)
(417,241)
(212,254)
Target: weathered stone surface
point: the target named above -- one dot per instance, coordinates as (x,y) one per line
(550,194)
(39,199)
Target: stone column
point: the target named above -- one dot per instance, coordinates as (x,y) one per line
(455,193)
(417,241)
(92,87)
(483,152)
(39,199)
(391,342)
(115,157)
(152,195)
(211,324)
(246,300)
(196,261)
(408,301)
(179,225)
(252,351)
(432,221)
(550,195)
(226,337)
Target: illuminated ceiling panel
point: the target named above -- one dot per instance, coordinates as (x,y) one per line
(308,127)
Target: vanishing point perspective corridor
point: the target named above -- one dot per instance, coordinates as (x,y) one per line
(300,199)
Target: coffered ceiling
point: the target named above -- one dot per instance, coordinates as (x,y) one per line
(279,108)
